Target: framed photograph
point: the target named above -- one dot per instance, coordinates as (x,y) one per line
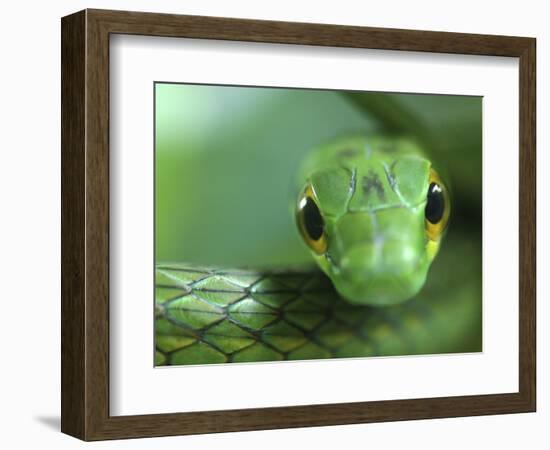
(272,224)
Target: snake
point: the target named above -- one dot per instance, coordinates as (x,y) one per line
(374,212)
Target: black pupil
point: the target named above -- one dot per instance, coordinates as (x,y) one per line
(436,203)
(313,221)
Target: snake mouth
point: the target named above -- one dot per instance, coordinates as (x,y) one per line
(383,273)
(380,289)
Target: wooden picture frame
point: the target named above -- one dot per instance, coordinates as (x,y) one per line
(85,224)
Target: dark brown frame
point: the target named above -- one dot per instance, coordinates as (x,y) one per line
(85,224)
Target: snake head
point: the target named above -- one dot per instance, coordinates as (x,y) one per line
(374,223)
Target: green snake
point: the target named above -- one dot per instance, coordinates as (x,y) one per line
(373,211)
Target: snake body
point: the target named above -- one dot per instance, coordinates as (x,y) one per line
(364,211)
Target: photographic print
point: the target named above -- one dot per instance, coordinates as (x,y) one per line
(295,224)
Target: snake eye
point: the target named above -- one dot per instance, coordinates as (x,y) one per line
(310,222)
(438,207)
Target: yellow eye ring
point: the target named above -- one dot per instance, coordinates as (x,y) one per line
(438,207)
(310,221)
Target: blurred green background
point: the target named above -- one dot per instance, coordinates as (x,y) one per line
(226,161)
